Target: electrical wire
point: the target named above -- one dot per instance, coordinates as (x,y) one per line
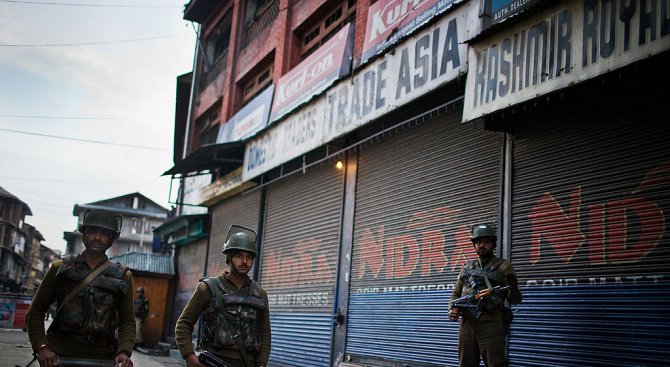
(89,5)
(91,43)
(81,140)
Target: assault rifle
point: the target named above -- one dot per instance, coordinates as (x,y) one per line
(79,362)
(472,303)
(212,360)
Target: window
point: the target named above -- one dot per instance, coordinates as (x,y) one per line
(208,127)
(217,41)
(325,27)
(257,84)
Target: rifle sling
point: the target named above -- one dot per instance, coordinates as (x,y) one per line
(97,271)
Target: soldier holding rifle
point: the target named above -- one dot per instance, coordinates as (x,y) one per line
(94,324)
(484,290)
(234,309)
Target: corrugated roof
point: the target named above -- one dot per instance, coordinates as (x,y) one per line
(150,263)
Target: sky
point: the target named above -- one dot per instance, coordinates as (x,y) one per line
(87,99)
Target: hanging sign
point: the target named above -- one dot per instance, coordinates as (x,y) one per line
(567,44)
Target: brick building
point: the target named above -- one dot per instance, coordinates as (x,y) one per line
(362,140)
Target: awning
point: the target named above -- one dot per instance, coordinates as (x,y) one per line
(228,155)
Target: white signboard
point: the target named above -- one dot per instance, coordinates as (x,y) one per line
(419,65)
(566,44)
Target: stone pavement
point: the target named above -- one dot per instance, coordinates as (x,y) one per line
(15,351)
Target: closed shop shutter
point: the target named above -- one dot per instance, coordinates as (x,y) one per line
(299,267)
(591,204)
(418,192)
(243,210)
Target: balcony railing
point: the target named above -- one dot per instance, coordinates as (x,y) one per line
(264,17)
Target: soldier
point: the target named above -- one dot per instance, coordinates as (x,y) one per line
(485,336)
(141,311)
(94,318)
(234,310)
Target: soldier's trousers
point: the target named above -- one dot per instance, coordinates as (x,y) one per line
(482,339)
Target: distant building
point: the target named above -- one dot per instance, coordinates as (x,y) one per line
(31,256)
(12,242)
(140,216)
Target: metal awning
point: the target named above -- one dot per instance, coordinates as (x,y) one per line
(229,155)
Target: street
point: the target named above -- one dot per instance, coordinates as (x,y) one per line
(16,351)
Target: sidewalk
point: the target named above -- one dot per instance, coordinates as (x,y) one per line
(16,351)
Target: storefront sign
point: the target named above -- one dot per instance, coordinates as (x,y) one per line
(424,62)
(392,20)
(223,187)
(502,9)
(192,186)
(567,44)
(312,76)
(249,120)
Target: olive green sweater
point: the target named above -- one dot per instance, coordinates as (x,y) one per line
(200,300)
(70,347)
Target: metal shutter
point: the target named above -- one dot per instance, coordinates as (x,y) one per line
(242,210)
(418,192)
(299,268)
(591,200)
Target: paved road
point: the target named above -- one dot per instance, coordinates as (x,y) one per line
(15,351)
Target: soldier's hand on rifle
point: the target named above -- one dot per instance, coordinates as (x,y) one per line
(454,313)
(192,361)
(123,360)
(46,357)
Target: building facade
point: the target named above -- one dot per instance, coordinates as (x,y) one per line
(362,140)
(14,265)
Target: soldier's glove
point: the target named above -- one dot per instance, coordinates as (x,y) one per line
(512,281)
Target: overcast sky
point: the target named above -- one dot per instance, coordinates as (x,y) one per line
(87,97)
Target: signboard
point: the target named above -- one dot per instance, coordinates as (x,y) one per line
(314,74)
(500,10)
(392,20)
(567,44)
(192,186)
(424,62)
(223,187)
(249,120)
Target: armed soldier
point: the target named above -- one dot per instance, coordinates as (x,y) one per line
(492,283)
(94,319)
(234,310)
(141,305)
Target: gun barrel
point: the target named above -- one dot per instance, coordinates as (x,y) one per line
(79,362)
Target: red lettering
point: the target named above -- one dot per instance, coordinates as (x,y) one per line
(371,253)
(432,252)
(463,251)
(560,230)
(648,234)
(405,256)
(596,234)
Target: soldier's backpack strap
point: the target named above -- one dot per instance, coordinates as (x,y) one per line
(217,290)
(495,264)
(97,271)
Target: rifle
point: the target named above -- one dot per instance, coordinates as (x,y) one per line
(472,303)
(81,362)
(212,360)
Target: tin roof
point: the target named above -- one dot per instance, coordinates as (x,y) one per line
(150,263)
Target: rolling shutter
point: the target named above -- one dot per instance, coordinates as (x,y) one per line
(299,268)
(591,204)
(418,192)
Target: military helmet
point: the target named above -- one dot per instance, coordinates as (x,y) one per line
(484,231)
(101,219)
(140,290)
(240,239)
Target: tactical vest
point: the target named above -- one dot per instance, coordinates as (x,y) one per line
(92,315)
(473,282)
(233,314)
